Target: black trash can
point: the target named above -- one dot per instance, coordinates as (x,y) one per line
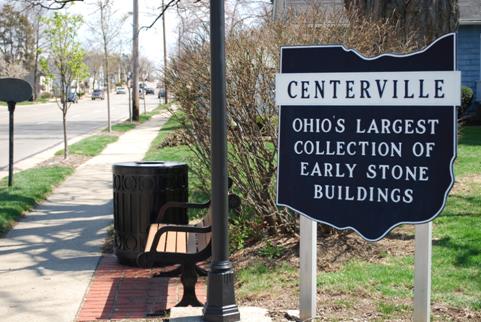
(140,189)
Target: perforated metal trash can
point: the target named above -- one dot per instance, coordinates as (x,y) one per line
(140,189)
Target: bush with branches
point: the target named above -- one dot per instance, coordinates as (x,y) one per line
(252,60)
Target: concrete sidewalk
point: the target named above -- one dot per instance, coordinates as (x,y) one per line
(47,260)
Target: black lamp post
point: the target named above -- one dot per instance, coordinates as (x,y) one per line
(220,305)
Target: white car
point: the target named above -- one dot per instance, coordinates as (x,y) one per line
(120,90)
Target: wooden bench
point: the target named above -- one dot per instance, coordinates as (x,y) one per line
(183,245)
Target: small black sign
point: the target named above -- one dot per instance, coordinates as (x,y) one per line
(14,90)
(367,143)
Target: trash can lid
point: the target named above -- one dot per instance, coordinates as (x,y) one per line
(150,164)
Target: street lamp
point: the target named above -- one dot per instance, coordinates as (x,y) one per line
(165,53)
(220,305)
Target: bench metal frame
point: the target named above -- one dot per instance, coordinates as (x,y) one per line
(188,269)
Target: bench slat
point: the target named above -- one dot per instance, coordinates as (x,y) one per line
(181,242)
(150,237)
(191,244)
(171,242)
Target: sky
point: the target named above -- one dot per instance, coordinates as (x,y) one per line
(150,41)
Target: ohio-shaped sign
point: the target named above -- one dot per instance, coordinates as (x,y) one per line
(367,143)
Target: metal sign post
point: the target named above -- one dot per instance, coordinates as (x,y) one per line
(12,91)
(308,268)
(11,110)
(422,272)
(220,305)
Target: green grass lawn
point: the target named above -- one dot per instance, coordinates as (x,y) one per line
(29,187)
(469,145)
(178,153)
(90,146)
(122,127)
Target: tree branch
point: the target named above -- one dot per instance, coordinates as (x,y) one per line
(50,4)
(170,4)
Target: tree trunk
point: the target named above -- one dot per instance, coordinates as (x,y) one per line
(107,81)
(35,63)
(64,121)
(106,61)
(427,19)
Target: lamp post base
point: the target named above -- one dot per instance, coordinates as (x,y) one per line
(220,306)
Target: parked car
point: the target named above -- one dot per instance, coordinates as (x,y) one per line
(161,93)
(141,93)
(97,93)
(72,97)
(120,90)
(149,90)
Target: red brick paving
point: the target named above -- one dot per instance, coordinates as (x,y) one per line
(123,292)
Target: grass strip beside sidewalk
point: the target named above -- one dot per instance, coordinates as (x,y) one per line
(30,187)
(90,146)
(93,145)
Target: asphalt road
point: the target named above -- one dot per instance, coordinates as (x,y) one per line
(38,127)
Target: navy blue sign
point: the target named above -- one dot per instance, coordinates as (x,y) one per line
(367,143)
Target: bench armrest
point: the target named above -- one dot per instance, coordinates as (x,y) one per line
(234,203)
(178,204)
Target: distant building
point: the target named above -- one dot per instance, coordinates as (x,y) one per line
(469,45)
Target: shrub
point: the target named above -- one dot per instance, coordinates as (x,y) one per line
(45,96)
(271,251)
(252,60)
(466,99)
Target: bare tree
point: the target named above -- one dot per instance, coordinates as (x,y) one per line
(94,61)
(35,15)
(110,27)
(16,42)
(252,59)
(146,69)
(428,19)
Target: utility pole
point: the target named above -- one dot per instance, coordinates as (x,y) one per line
(135,63)
(165,53)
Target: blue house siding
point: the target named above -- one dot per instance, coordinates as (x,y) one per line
(469,54)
